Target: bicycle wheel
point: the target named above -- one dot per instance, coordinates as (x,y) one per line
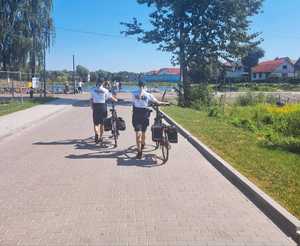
(165,147)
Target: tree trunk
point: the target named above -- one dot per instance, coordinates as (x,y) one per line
(249,74)
(4,64)
(33,62)
(183,70)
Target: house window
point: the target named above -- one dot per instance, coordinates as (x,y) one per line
(284,66)
(254,75)
(260,75)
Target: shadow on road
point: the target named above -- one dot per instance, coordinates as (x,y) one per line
(124,157)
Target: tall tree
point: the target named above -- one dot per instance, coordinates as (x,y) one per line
(26,30)
(197,31)
(40,28)
(82,72)
(252,59)
(14,45)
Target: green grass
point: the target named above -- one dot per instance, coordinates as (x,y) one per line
(263,87)
(7,107)
(274,170)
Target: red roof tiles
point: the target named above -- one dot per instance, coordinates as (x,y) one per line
(175,71)
(171,71)
(267,66)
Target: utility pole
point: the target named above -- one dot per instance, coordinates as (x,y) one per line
(74,77)
(45,86)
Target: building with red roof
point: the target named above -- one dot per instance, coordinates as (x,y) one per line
(278,68)
(163,75)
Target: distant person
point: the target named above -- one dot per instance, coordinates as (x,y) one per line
(31,92)
(120,86)
(141,115)
(66,90)
(80,85)
(114,88)
(99,97)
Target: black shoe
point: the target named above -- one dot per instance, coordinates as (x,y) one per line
(96,138)
(139,155)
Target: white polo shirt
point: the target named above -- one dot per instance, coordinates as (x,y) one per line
(141,98)
(100,95)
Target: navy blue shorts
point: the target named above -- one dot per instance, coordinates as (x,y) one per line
(99,113)
(140,119)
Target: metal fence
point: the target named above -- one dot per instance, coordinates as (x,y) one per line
(17,85)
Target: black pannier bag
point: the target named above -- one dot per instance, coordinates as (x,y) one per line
(107,124)
(121,125)
(172,134)
(157,133)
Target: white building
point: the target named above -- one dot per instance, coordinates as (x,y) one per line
(235,71)
(297,68)
(278,68)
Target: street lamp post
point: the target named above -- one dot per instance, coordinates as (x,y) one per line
(45,86)
(74,76)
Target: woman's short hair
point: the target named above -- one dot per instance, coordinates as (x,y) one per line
(99,81)
(141,83)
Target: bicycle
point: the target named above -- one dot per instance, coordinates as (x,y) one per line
(114,126)
(162,139)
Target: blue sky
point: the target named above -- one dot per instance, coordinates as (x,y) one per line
(279,24)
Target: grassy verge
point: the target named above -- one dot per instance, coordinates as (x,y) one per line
(258,87)
(7,107)
(275,170)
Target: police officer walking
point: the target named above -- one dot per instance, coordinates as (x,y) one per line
(99,97)
(141,115)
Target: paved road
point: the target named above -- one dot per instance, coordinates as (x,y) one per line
(28,117)
(58,188)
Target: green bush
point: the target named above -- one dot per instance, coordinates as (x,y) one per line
(278,129)
(291,124)
(202,93)
(244,123)
(251,99)
(291,144)
(202,97)
(215,111)
(245,100)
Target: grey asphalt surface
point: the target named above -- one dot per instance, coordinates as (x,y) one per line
(58,188)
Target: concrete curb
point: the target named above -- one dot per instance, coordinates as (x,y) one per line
(288,223)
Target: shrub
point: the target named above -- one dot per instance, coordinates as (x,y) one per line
(246,100)
(250,99)
(244,123)
(293,124)
(202,97)
(215,111)
(203,94)
(289,143)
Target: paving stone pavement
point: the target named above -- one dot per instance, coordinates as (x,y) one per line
(28,117)
(58,188)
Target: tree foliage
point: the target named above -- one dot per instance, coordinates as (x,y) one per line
(26,29)
(82,72)
(198,31)
(252,58)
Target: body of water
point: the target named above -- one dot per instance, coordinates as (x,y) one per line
(59,88)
